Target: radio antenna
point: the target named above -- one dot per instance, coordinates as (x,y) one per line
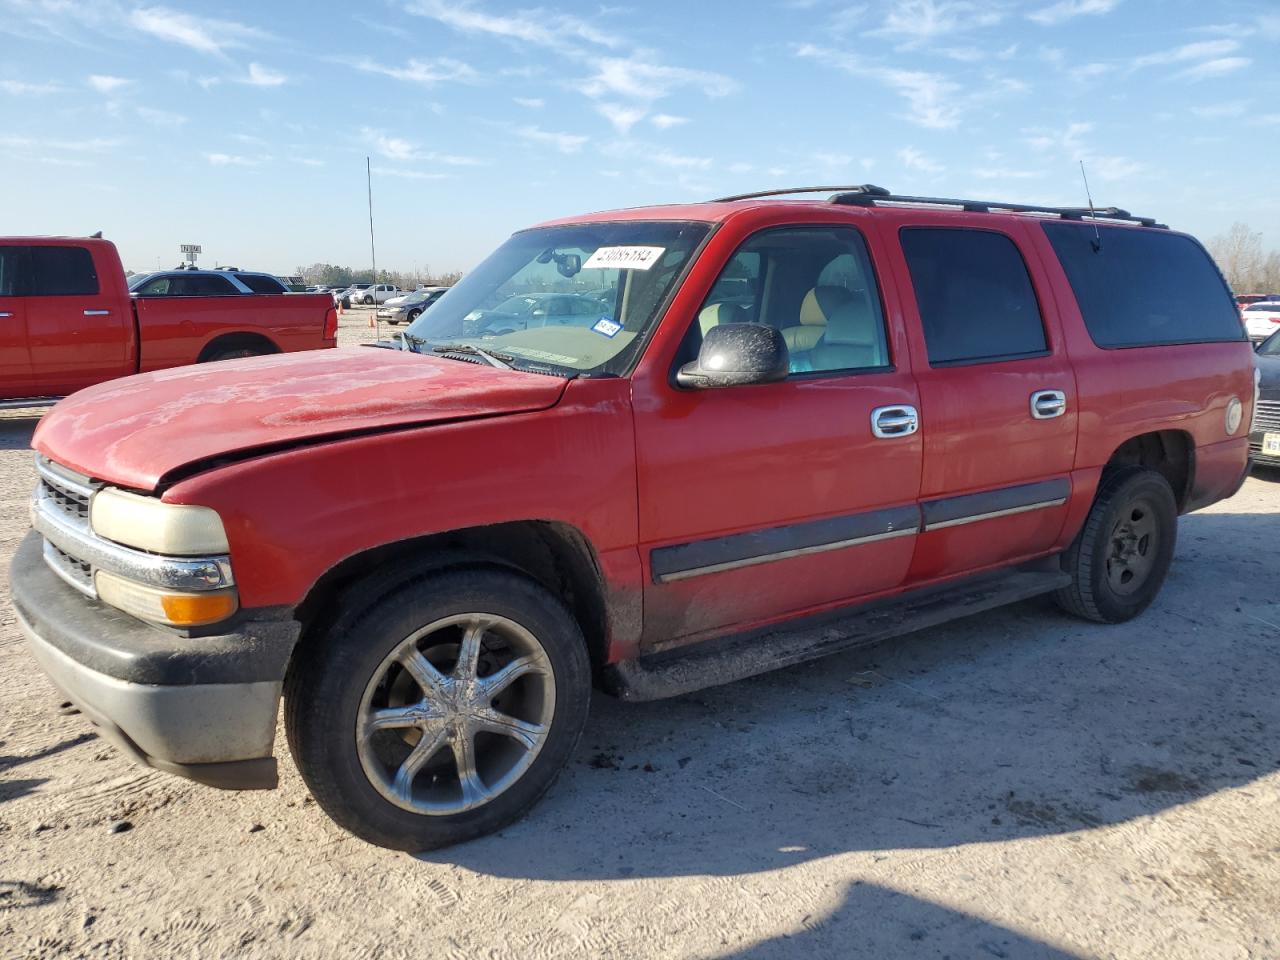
(1097,235)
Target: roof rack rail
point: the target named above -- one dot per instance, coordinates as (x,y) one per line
(856,198)
(868,195)
(868,189)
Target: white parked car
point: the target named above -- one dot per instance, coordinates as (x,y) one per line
(375,293)
(1262,319)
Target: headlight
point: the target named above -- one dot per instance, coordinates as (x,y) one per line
(176,530)
(165,606)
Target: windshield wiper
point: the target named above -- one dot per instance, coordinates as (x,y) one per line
(499,360)
(411,343)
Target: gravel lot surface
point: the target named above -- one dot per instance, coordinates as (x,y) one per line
(1018,784)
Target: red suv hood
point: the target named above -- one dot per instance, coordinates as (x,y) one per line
(134,431)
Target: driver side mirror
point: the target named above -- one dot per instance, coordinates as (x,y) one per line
(737,354)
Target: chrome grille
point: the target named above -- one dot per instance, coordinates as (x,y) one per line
(67,495)
(76,572)
(1267,416)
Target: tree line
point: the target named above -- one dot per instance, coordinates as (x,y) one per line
(1241,258)
(331,275)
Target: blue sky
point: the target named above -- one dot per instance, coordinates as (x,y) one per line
(245,126)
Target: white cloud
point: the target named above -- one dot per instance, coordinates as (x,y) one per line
(89,145)
(1201,50)
(309,161)
(426,73)
(1215,68)
(913,159)
(1069,145)
(934,101)
(676,161)
(161,118)
(1219,111)
(19,88)
(199,33)
(260,76)
(665,121)
(1006,173)
(1070,9)
(564,142)
(231,160)
(918,21)
(641,79)
(410,174)
(107,84)
(622,117)
(400,150)
(540,27)
(740,167)
(533,103)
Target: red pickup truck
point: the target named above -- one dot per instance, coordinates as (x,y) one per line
(67,321)
(758,431)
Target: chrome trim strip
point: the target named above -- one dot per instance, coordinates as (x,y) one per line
(77,540)
(783,555)
(61,477)
(961,521)
(53,564)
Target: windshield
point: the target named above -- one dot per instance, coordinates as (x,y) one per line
(581,298)
(1270,347)
(1266,306)
(139,279)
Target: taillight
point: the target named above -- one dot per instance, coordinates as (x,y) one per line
(331,324)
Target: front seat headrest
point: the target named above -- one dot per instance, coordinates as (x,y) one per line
(820,302)
(718,313)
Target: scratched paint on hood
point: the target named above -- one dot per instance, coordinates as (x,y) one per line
(134,431)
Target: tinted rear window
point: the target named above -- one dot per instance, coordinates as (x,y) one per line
(259,283)
(63,272)
(974,294)
(12,270)
(1141,288)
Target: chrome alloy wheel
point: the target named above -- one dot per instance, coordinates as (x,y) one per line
(455,714)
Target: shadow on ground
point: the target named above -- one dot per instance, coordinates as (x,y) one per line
(16,431)
(1015,724)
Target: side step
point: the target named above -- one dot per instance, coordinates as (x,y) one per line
(674,672)
(23,404)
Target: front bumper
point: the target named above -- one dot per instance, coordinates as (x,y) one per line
(202,707)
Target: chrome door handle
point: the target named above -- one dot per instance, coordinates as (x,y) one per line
(1047,404)
(5,313)
(97,313)
(898,421)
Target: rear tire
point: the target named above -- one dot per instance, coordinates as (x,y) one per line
(1121,557)
(401,742)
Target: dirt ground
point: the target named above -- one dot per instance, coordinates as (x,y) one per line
(1018,784)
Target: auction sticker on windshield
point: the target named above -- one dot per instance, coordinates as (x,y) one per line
(624,258)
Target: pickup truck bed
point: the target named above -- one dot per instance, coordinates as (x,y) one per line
(67,321)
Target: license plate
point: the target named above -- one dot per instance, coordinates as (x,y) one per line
(1271,444)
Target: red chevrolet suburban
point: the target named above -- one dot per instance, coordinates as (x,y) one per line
(758,430)
(67,321)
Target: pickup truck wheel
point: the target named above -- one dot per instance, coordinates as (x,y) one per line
(1121,557)
(439,711)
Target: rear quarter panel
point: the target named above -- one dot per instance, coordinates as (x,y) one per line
(1135,390)
(174,330)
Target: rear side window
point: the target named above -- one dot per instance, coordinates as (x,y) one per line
(62,272)
(204,285)
(13,269)
(260,284)
(1140,288)
(974,295)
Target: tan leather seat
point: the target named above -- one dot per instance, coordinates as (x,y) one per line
(718,313)
(815,311)
(854,339)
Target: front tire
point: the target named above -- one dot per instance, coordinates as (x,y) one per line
(438,707)
(1120,559)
